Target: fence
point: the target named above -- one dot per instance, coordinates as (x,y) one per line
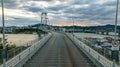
(22,57)
(97,58)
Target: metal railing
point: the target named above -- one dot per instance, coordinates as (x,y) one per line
(103,51)
(15,51)
(20,58)
(96,57)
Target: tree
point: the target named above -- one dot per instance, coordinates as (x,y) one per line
(8,45)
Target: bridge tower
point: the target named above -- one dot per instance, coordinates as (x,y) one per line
(43,23)
(44,18)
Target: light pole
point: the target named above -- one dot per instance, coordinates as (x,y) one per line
(115,48)
(4,47)
(49,24)
(73,25)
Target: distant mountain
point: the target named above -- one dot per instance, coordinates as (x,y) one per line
(101,27)
(108,26)
(104,27)
(37,25)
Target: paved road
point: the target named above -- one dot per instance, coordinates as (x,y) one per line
(59,51)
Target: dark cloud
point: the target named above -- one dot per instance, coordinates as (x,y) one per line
(111,3)
(94,12)
(57,7)
(34,9)
(43,0)
(82,2)
(11,3)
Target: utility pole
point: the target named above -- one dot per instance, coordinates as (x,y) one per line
(115,47)
(3,41)
(116,19)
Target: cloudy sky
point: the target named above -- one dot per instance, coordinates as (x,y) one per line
(60,12)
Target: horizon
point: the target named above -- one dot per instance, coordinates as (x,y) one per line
(60,25)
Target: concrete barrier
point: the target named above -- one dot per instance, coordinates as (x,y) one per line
(21,58)
(96,58)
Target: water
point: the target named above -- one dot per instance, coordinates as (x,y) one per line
(19,39)
(82,35)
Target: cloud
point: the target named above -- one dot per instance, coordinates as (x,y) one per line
(34,8)
(83,11)
(43,0)
(13,4)
(57,7)
(81,2)
(16,17)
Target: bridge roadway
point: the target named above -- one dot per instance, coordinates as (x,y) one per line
(59,51)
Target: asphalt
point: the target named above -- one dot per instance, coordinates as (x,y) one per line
(59,51)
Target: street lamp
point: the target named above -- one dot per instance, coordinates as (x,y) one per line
(3,31)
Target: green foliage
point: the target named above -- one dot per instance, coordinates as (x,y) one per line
(8,45)
(26,31)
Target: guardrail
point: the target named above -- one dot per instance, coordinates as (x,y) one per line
(98,59)
(21,58)
(15,51)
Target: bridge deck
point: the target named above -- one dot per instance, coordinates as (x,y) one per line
(59,51)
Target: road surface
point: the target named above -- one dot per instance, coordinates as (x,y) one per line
(59,51)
